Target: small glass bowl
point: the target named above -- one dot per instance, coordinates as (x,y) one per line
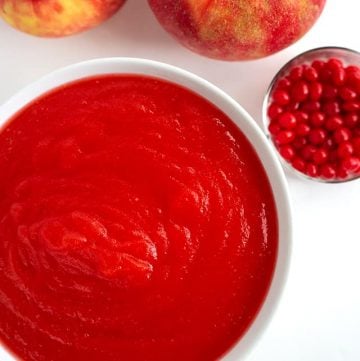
(347,56)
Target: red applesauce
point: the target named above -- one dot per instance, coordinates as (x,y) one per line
(136,224)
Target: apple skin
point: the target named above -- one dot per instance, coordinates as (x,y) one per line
(237,29)
(56,18)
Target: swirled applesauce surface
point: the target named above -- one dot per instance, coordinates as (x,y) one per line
(136,224)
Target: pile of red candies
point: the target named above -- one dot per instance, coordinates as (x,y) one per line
(314,114)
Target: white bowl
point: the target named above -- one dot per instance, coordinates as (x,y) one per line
(235,112)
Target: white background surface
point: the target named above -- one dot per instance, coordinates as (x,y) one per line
(319,315)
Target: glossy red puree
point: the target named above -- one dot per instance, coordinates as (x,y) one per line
(136,224)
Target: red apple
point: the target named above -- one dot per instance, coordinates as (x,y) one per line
(237,29)
(54,18)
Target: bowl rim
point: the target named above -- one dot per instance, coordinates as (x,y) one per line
(243,121)
(265,119)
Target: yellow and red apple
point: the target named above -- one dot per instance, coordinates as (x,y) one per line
(237,29)
(55,18)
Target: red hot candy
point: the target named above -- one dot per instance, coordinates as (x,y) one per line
(314,115)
